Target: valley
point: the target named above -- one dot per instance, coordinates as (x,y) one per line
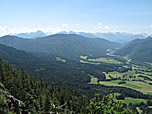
(76,57)
(88,73)
(129,75)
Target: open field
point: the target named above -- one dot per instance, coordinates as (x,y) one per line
(133,82)
(145,87)
(128,100)
(94,80)
(107,75)
(115,81)
(108,83)
(60,59)
(98,60)
(133,100)
(139,86)
(105,60)
(143,75)
(148,63)
(113,74)
(81,61)
(132,85)
(149,106)
(83,57)
(129,73)
(147,73)
(132,78)
(150,93)
(126,66)
(117,74)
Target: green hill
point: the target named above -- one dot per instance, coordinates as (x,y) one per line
(12,55)
(21,93)
(62,45)
(138,50)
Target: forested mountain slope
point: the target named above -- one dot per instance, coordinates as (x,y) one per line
(12,55)
(138,50)
(22,94)
(40,97)
(63,45)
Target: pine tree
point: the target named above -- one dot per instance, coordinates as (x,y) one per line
(107,106)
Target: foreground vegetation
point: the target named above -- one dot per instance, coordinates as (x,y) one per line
(30,95)
(37,96)
(107,106)
(136,77)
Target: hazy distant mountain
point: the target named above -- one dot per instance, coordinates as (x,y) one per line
(63,32)
(138,50)
(72,32)
(115,37)
(119,37)
(32,35)
(89,35)
(66,45)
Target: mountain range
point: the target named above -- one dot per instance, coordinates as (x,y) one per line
(73,46)
(38,57)
(120,37)
(31,35)
(62,45)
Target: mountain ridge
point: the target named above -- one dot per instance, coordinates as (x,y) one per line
(138,50)
(64,45)
(31,35)
(121,37)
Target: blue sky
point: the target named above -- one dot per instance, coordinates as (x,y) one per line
(133,16)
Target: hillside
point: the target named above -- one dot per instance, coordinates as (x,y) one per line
(22,94)
(35,96)
(12,55)
(138,50)
(63,45)
(70,74)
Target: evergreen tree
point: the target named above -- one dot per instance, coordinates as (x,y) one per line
(107,106)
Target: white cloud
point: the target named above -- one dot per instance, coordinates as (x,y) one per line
(5,30)
(107,28)
(77,24)
(151,25)
(98,26)
(65,25)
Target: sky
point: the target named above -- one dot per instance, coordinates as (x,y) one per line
(20,16)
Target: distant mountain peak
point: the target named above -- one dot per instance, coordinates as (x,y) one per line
(32,35)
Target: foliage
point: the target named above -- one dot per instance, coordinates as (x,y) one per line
(39,96)
(107,106)
(3,105)
(61,45)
